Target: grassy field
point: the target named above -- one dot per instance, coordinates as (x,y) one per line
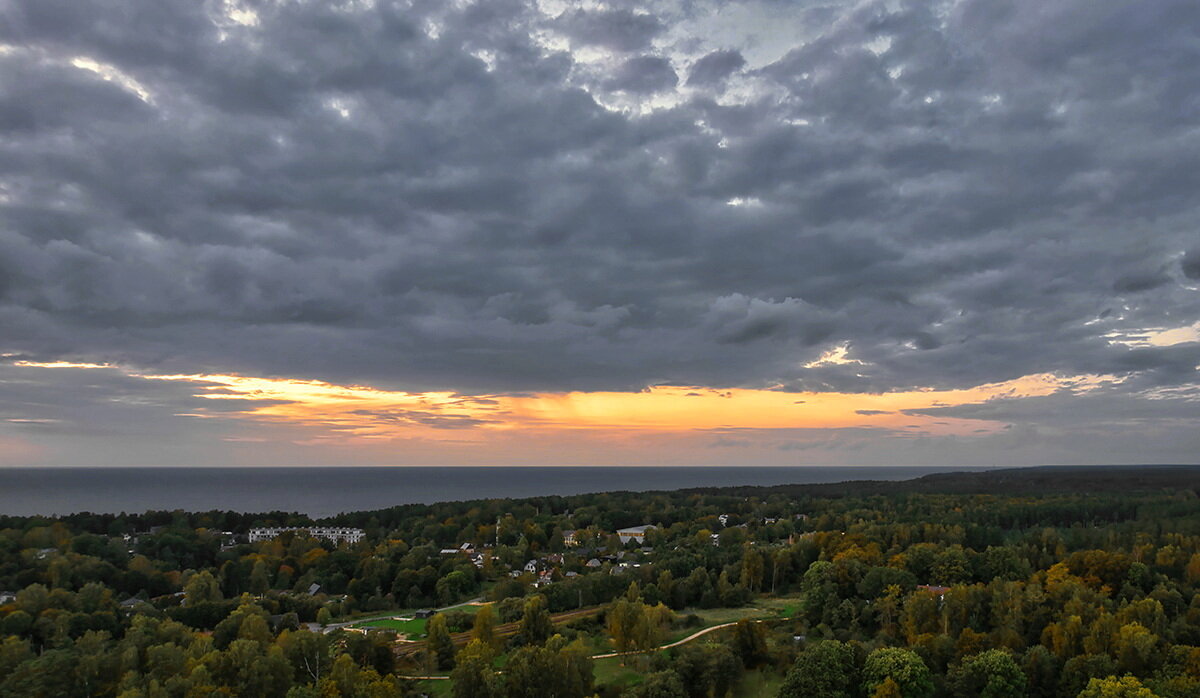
(414,628)
(434,688)
(758,683)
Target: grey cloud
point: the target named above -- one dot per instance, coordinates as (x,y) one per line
(1191,264)
(356,197)
(643,75)
(714,67)
(617,29)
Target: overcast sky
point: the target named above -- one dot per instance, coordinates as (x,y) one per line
(762,232)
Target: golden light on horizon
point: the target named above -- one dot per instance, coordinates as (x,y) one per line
(352,413)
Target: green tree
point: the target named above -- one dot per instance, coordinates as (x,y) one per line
(473,676)
(826,669)
(1113,687)
(750,642)
(201,587)
(902,666)
(536,626)
(752,569)
(622,621)
(990,674)
(438,642)
(661,684)
(484,628)
(888,689)
(260,578)
(308,653)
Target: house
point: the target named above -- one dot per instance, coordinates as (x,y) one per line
(593,563)
(7,597)
(467,548)
(448,551)
(336,534)
(314,589)
(531,566)
(569,575)
(569,538)
(423,613)
(132,603)
(724,519)
(937,591)
(768,521)
(637,533)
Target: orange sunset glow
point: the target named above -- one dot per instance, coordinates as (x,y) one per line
(361,413)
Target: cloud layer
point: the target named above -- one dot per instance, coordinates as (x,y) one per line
(502,196)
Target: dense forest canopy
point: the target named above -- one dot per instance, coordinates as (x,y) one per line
(1036,582)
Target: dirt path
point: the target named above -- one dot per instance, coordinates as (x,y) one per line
(689,638)
(677,643)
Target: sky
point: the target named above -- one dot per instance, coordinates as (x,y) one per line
(761,232)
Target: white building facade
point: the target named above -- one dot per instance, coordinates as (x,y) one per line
(330,533)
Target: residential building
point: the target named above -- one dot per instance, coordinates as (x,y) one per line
(330,533)
(637,533)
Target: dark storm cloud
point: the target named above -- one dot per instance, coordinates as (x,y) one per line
(715,67)
(424,196)
(618,29)
(644,75)
(1191,264)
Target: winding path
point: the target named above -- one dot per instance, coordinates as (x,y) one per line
(689,638)
(677,643)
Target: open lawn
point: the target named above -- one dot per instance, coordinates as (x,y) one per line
(414,628)
(757,684)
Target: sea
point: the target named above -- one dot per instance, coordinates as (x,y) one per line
(326,491)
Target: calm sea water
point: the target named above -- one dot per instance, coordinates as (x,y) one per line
(326,491)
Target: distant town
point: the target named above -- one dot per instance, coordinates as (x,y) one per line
(943,586)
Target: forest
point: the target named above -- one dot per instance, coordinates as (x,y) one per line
(1041,582)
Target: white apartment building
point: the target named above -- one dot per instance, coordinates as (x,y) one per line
(332,533)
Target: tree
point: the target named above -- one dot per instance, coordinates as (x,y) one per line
(536,626)
(535,671)
(990,674)
(473,676)
(888,689)
(622,620)
(260,578)
(201,587)
(1112,687)
(661,684)
(826,669)
(750,642)
(308,653)
(902,666)
(484,628)
(438,642)
(752,569)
